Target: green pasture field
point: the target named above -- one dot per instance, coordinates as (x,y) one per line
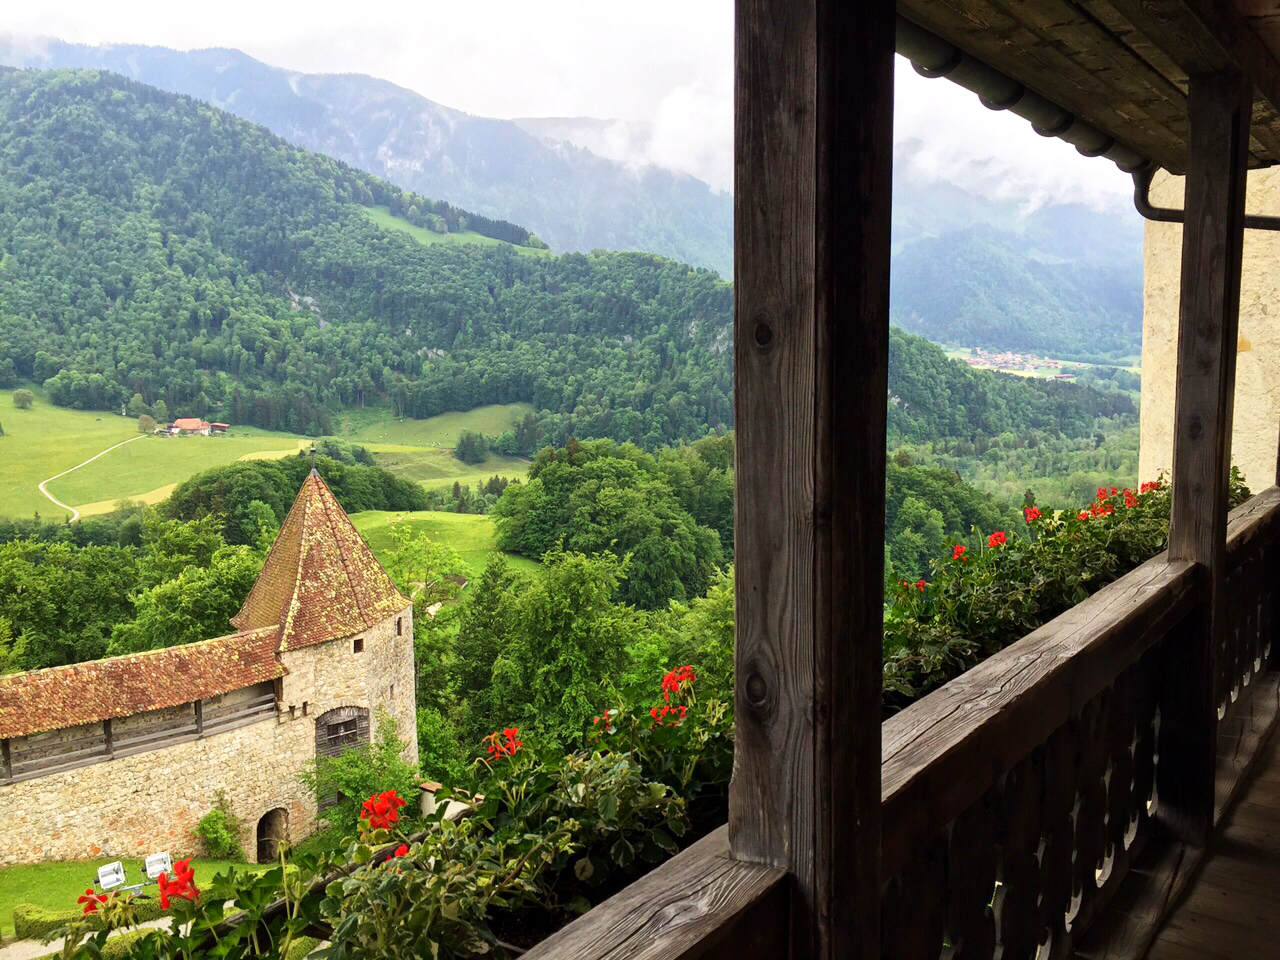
(57,884)
(42,442)
(139,468)
(384,218)
(369,426)
(472,535)
(434,468)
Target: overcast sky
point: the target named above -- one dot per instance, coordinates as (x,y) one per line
(663,64)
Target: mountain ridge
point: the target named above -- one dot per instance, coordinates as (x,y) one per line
(571,198)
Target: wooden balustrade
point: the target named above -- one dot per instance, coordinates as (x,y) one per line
(1015,796)
(1246,690)
(1019,798)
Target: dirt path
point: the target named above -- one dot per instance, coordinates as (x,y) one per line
(75,514)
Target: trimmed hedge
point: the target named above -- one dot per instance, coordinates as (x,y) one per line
(119,947)
(301,947)
(31,922)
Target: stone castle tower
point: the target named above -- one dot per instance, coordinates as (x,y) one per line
(122,757)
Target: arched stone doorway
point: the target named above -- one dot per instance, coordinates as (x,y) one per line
(272,828)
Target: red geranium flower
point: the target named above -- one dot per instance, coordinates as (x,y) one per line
(676,680)
(920,585)
(400,851)
(1032,513)
(380,811)
(179,886)
(997,539)
(92,901)
(958,552)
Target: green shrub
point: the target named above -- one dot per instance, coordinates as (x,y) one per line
(993,591)
(359,772)
(219,831)
(31,922)
(119,947)
(301,947)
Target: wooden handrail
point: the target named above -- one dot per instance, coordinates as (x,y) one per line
(1254,523)
(942,753)
(699,904)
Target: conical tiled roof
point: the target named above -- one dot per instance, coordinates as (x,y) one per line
(320,581)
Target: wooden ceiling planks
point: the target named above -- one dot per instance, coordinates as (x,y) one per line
(1059,64)
(1122,65)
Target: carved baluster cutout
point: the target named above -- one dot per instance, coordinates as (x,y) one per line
(1021,923)
(1057,836)
(1122,741)
(1092,745)
(913,907)
(971,880)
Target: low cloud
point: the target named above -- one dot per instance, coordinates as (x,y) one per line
(945,134)
(662,70)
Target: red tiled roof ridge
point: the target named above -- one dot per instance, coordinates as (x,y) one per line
(120,686)
(320,580)
(140,654)
(342,555)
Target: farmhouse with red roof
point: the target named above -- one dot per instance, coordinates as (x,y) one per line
(323,640)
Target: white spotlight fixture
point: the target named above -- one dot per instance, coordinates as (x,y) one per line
(111,876)
(157,864)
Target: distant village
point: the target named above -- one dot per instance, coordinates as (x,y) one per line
(1012,362)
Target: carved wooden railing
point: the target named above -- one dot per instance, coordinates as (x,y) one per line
(1018,797)
(1021,800)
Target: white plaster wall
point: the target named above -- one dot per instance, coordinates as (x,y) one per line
(1257,400)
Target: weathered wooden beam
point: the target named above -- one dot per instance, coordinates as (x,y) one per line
(1212,243)
(696,906)
(1205,37)
(814,125)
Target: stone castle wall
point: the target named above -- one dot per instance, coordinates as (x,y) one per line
(1257,401)
(333,675)
(132,806)
(136,805)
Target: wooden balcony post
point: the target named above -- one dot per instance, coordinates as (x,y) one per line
(1212,242)
(814,125)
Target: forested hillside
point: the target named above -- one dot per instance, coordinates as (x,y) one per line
(154,245)
(1061,279)
(932,397)
(574,199)
(983,287)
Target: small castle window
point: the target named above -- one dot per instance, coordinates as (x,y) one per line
(399,626)
(393,690)
(358,645)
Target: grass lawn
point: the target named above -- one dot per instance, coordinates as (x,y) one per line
(436,468)
(370,426)
(45,440)
(156,462)
(55,886)
(384,218)
(472,535)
